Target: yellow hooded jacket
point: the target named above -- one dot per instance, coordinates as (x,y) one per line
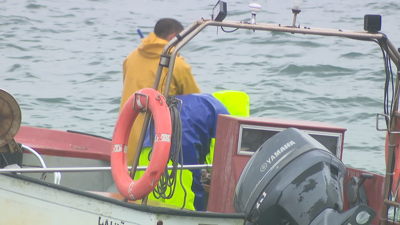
(139,71)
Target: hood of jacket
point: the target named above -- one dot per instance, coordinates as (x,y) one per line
(152,46)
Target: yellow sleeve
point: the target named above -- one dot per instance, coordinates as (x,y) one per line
(124,69)
(210,155)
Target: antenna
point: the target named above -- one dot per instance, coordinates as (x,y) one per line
(296,10)
(255,8)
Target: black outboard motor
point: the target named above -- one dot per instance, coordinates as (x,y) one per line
(292,179)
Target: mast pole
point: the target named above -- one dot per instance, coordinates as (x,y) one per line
(393,123)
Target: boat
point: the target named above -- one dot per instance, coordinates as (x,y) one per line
(265,170)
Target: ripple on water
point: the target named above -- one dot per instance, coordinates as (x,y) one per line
(352,101)
(22,57)
(16,47)
(94,63)
(90,22)
(112,72)
(393,6)
(16,20)
(63,16)
(54,100)
(314,71)
(53,31)
(35,6)
(352,55)
(14,67)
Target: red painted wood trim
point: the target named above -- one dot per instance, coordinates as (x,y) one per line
(64,144)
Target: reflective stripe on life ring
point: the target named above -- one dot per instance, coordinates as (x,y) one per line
(129,188)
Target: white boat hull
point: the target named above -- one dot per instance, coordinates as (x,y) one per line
(26,200)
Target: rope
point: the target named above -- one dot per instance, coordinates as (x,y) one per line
(166,186)
(389,90)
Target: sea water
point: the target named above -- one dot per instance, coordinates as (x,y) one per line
(62,61)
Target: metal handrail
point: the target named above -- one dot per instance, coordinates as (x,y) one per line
(176,44)
(173,47)
(93,169)
(57,175)
(202,24)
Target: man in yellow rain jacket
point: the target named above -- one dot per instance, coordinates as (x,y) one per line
(140,67)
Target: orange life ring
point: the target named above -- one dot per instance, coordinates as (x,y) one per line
(129,188)
(396,171)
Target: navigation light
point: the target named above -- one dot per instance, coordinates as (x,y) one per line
(219,11)
(372,23)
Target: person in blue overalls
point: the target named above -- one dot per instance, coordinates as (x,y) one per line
(199,115)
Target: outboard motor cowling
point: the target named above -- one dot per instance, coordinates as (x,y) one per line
(290,179)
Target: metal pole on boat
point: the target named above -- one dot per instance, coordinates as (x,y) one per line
(57,175)
(92,169)
(395,55)
(140,144)
(166,57)
(139,149)
(389,164)
(296,10)
(147,117)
